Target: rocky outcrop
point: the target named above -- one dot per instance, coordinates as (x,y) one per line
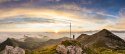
(69,49)
(13,50)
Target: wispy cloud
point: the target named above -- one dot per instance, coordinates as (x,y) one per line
(21,19)
(51,14)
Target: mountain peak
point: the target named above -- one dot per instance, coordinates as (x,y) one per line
(104,32)
(104,29)
(9,42)
(103,38)
(8,39)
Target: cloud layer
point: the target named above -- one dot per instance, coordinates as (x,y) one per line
(50,15)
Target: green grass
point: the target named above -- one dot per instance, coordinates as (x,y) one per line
(71,42)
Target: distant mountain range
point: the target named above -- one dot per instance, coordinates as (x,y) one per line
(30,42)
(102,41)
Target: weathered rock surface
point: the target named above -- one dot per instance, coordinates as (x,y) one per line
(69,49)
(13,50)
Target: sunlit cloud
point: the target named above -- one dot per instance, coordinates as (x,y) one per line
(51,15)
(46,19)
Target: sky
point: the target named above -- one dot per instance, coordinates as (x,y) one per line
(56,15)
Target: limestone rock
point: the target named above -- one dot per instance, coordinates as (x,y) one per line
(13,50)
(69,49)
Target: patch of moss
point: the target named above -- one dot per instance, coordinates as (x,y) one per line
(46,50)
(71,42)
(103,50)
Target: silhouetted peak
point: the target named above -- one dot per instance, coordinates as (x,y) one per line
(104,32)
(8,39)
(9,42)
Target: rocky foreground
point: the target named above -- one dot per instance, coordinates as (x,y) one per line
(61,49)
(102,42)
(69,47)
(13,50)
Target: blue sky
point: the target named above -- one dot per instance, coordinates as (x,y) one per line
(55,15)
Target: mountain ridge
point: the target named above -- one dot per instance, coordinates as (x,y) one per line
(30,45)
(103,38)
(9,42)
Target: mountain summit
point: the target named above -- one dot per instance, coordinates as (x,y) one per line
(9,42)
(103,38)
(104,31)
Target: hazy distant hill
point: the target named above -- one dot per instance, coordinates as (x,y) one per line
(27,43)
(30,43)
(53,41)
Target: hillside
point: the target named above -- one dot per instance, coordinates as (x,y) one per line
(48,47)
(9,42)
(30,43)
(102,41)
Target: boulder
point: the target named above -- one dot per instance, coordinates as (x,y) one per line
(13,50)
(69,49)
(62,49)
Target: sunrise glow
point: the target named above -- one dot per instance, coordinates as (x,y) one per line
(47,15)
(56,31)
